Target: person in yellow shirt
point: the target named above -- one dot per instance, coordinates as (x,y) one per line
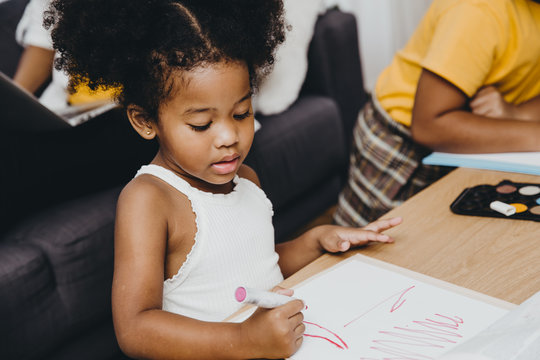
(467,81)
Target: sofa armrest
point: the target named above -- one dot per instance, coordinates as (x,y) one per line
(335,67)
(56,275)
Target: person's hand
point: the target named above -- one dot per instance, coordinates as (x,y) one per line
(340,239)
(490,102)
(276,333)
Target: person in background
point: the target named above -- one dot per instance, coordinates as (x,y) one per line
(36,63)
(467,81)
(35,71)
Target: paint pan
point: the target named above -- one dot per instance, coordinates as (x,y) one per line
(500,200)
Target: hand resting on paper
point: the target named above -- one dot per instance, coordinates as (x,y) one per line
(278,332)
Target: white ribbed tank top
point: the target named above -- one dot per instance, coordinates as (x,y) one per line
(234,246)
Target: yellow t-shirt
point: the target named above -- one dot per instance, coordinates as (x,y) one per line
(84,95)
(470,43)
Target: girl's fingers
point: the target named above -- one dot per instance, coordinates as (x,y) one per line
(371,232)
(385,224)
(345,238)
(375,236)
(283,291)
(293,308)
(297,318)
(363,237)
(299,341)
(300,329)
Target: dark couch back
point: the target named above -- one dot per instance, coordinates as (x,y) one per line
(335,68)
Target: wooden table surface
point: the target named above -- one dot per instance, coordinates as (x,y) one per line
(497,257)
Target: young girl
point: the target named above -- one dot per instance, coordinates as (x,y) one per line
(194,224)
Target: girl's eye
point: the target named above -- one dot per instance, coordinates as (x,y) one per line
(200,127)
(243,116)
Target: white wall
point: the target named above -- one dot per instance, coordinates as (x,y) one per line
(384,27)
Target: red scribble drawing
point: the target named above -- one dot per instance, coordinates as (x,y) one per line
(399,302)
(341,346)
(406,343)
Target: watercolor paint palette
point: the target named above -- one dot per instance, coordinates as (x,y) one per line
(523,197)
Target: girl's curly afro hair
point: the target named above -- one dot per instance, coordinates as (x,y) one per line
(136,45)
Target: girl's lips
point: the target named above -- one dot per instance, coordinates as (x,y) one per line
(226,167)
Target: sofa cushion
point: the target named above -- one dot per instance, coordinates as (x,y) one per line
(56,277)
(27,293)
(301,147)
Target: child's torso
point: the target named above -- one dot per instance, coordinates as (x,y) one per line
(230,243)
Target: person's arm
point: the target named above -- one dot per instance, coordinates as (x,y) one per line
(144,330)
(442,121)
(297,253)
(34,68)
(529,110)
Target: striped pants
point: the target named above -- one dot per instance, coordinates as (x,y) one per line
(385,168)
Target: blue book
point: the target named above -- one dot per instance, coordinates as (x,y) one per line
(520,162)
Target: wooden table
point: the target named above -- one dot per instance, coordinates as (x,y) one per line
(497,257)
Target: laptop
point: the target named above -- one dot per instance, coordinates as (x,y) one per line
(22,111)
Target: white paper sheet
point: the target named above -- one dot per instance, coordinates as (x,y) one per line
(365,309)
(365,312)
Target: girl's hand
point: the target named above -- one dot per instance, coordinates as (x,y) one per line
(490,102)
(276,333)
(340,239)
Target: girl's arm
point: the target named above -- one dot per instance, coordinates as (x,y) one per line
(144,330)
(442,121)
(297,253)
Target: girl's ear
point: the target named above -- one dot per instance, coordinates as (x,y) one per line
(140,122)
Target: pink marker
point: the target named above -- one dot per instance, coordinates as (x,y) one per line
(261,298)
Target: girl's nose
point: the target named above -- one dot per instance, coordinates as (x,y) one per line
(227,133)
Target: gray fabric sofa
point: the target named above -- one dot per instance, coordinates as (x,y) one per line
(60,191)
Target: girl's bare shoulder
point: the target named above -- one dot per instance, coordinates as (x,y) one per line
(149,197)
(248,173)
